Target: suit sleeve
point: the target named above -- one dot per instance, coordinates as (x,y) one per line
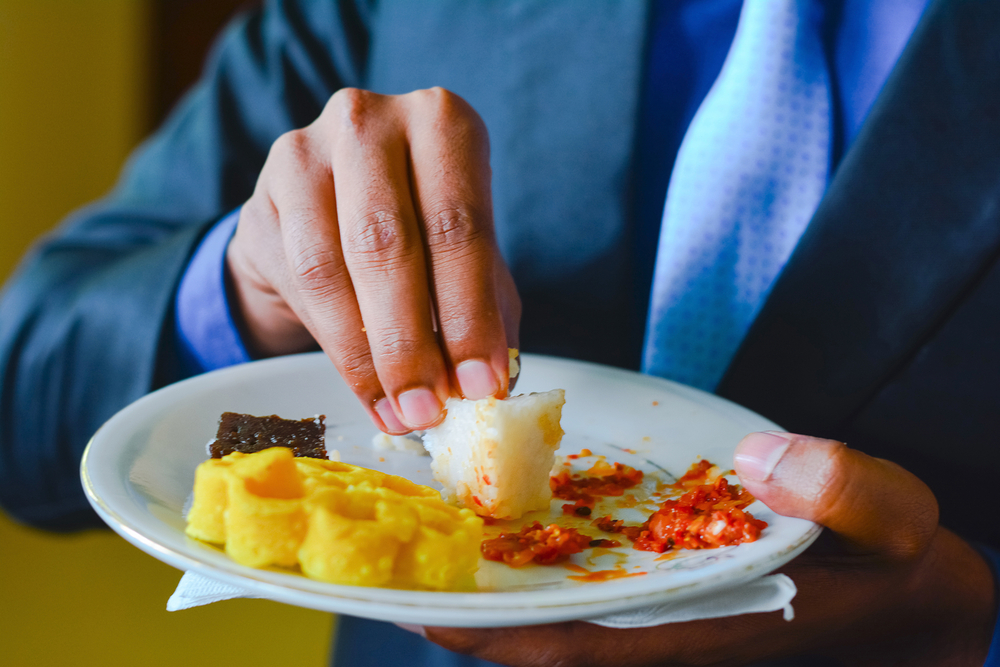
(86,321)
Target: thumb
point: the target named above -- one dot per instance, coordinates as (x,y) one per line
(870,502)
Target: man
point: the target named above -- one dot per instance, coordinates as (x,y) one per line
(379,211)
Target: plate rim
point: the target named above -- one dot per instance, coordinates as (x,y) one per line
(466,607)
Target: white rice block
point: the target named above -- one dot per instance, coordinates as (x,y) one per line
(494,456)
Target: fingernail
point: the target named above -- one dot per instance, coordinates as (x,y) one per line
(759,453)
(384,409)
(412,627)
(476,379)
(420,407)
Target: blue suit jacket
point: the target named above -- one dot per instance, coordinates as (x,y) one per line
(881,331)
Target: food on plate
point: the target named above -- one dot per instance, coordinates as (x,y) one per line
(703,511)
(339,523)
(612,525)
(411,442)
(494,456)
(707,517)
(248,434)
(583,574)
(602,479)
(708,514)
(513,367)
(544,545)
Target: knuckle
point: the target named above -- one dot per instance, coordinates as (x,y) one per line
(451,114)
(395,345)
(434,97)
(379,237)
(912,542)
(834,476)
(906,539)
(318,271)
(445,101)
(351,110)
(452,228)
(314,265)
(350,100)
(450,105)
(356,367)
(292,150)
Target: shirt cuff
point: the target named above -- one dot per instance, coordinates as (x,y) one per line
(207,336)
(993,558)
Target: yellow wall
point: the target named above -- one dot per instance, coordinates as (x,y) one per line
(71,107)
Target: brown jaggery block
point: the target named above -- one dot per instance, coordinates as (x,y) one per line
(249,434)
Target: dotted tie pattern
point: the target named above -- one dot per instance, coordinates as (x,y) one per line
(749,174)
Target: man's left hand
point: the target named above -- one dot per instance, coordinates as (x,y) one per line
(885,584)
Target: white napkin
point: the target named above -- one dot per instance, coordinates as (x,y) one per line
(195,590)
(768,593)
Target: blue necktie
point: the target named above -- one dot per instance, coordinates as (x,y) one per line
(748,176)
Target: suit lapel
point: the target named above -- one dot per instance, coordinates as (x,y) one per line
(910,223)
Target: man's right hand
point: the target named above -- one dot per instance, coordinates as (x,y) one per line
(370,232)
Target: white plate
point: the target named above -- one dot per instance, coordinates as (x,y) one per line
(138,472)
